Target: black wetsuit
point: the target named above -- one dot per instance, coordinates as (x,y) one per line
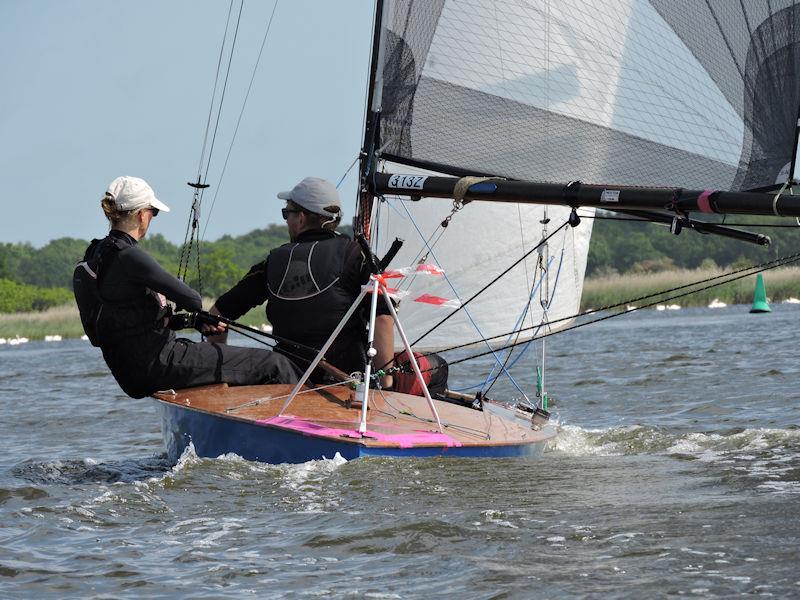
(308,285)
(143,354)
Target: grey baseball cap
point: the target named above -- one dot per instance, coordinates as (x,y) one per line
(316,195)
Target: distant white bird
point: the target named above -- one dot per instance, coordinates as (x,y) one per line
(660,307)
(673,306)
(791,301)
(52,338)
(715,303)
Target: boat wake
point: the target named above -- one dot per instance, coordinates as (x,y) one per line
(769,457)
(302,482)
(644,439)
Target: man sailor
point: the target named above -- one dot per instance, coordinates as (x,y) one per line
(310,283)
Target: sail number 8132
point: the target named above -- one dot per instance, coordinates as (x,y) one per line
(407,182)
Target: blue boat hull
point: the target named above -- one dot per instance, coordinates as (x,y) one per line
(213,435)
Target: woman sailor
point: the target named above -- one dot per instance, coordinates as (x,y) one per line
(122,295)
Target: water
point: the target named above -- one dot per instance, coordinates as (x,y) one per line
(676,472)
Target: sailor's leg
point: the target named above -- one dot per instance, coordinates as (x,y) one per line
(188,364)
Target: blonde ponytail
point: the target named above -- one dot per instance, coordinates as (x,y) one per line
(118,219)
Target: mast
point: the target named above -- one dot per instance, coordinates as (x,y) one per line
(371,125)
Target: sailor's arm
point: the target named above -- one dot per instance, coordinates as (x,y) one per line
(249,292)
(145,269)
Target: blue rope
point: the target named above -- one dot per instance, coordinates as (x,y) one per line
(452,287)
(535,332)
(521,318)
(527,345)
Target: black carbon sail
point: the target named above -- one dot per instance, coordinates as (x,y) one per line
(698,95)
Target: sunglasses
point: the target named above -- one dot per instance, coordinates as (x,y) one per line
(285,212)
(154,211)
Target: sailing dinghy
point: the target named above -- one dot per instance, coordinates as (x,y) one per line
(525,116)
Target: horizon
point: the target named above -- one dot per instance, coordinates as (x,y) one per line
(345,228)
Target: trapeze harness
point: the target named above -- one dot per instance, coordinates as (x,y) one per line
(307,299)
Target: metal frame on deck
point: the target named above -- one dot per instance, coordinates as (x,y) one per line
(377,286)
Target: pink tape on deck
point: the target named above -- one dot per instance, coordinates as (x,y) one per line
(404,440)
(704,202)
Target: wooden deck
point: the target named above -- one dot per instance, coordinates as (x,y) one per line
(336,408)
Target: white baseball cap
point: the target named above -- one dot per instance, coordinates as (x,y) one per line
(315,195)
(132,193)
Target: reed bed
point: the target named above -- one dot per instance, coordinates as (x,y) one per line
(59,320)
(781,284)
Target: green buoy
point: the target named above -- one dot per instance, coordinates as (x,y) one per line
(760,304)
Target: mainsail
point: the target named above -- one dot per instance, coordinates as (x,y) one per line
(650,94)
(627,92)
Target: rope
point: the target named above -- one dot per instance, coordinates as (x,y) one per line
(214,91)
(779,262)
(455,291)
(283,351)
(242,329)
(241,114)
(184,246)
(199,272)
(491,283)
(755,269)
(479,433)
(777,197)
(464,183)
(545,322)
(350,168)
(258,401)
(428,244)
(222,96)
(197,199)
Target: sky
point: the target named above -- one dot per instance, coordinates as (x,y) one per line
(94,89)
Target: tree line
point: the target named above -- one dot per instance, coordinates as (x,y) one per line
(37,278)
(626,246)
(29,275)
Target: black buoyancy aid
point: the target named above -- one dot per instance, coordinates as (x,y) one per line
(105,321)
(85,284)
(306,297)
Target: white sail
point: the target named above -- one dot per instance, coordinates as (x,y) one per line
(482,240)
